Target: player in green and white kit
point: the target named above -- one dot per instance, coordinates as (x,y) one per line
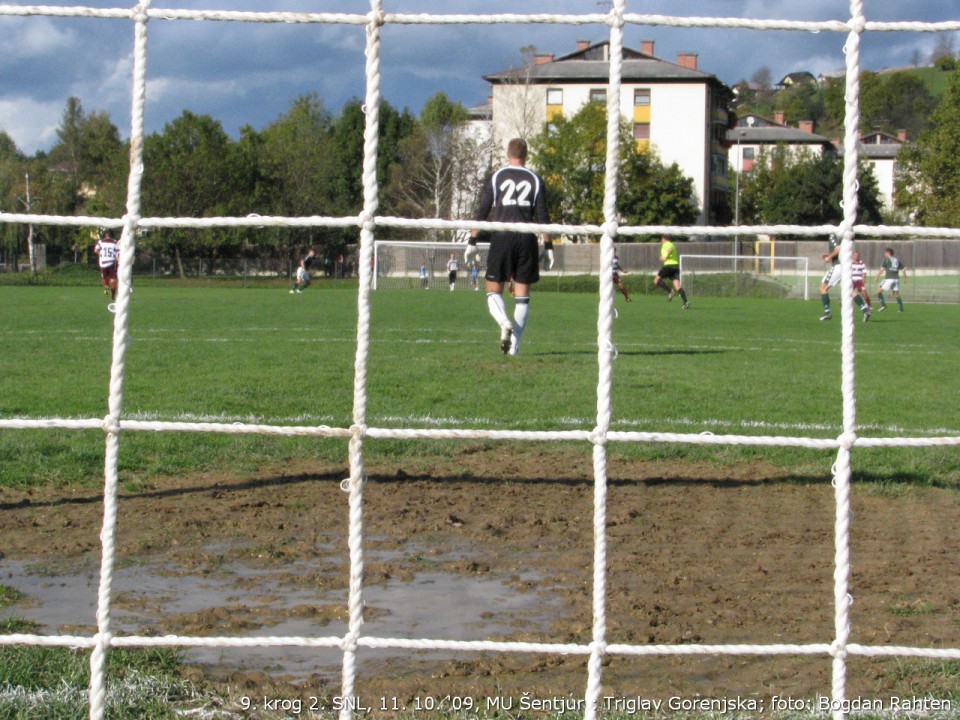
(832,276)
(890,269)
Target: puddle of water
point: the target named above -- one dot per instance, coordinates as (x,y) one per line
(261,601)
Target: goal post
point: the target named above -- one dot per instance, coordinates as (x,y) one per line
(746,276)
(397,265)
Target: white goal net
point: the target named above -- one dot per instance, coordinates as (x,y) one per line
(834,648)
(425,265)
(746,276)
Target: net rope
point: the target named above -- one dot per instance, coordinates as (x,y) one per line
(839,649)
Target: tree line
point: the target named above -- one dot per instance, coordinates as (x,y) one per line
(889,102)
(309,162)
(306,162)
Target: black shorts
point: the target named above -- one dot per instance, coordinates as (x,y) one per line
(513,256)
(453,276)
(669,272)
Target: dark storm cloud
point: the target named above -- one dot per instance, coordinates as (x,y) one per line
(246,74)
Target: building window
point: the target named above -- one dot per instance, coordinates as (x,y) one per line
(718,164)
(554,96)
(720,132)
(641,131)
(641,97)
(598,96)
(747,159)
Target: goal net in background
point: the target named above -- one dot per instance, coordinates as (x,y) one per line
(745,276)
(834,647)
(398,264)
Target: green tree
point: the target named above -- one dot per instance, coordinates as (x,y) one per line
(928,179)
(570,155)
(786,187)
(297,165)
(85,173)
(188,174)
(348,131)
(803,101)
(897,101)
(435,171)
(12,171)
(296,158)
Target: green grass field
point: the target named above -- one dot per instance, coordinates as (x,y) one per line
(729,365)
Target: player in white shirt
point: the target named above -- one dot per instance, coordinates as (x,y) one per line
(452,267)
(108,253)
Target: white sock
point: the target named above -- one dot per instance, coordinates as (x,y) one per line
(521,308)
(497,309)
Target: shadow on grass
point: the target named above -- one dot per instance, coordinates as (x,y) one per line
(891,485)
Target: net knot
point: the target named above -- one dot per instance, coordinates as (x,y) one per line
(847,440)
(616,18)
(857,24)
(610,228)
(838,650)
(599,647)
(358,431)
(365,220)
(349,642)
(376,18)
(598,436)
(139,12)
(103,640)
(111,424)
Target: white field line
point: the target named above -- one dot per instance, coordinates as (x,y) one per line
(862,348)
(439,421)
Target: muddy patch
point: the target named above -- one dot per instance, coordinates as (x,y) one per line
(696,554)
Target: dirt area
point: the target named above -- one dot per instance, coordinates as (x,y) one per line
(696,555)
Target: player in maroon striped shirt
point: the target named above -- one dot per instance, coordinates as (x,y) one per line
(858,274)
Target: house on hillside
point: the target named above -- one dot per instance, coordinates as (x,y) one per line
(675,108)
(754,133)
(796,78)
(480,122)
(828,75)
(880,151)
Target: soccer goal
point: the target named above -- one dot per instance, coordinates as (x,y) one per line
(423,265)
(746,276)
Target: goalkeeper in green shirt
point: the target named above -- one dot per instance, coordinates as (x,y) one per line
(670,271)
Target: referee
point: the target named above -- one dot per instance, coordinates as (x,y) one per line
(512,194)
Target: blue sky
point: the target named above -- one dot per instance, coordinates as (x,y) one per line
(247,74)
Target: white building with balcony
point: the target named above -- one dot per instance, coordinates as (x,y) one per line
(676,109)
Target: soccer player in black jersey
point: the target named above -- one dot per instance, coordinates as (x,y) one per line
(512,194)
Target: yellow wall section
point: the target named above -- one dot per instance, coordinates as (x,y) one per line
(641,113)
(554,111)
